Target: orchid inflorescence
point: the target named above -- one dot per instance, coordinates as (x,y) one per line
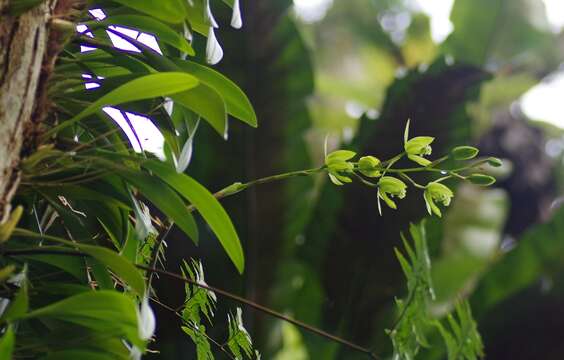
(369,168)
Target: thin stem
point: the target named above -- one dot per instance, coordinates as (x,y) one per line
(403,311)
(238,187)
(408,178)
(265,310)
(155,253)
(364,181)
(226,294)
(212,340)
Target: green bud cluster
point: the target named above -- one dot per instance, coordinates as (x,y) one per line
(341,169)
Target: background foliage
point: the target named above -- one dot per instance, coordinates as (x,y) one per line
(351,76)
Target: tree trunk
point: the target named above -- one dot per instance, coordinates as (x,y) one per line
(23,45)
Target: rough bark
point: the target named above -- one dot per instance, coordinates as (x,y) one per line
(23,43)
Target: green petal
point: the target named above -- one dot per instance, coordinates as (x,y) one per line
(419,159)
(431,206)
(388,201)
(334,180)
(339,155)
(417,144)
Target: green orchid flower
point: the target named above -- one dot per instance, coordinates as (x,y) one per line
(417,147)
(338,166)
(389,187)
(435,191)
(369,166)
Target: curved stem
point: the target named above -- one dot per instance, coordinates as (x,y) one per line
(413,182)
(238,187)
(224,293)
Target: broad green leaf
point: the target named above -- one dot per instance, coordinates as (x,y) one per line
(165,199)
(196,17)
(104,311)
(7,343)
(144,87)
(235,99)
(118,264)
(206,102)
(172,11)
(149,24)
(70,264)
(208,206)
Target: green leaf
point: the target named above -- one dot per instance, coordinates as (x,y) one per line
(118,264)
(165,199)
(7,343)
(198,300)
(8,226)
(172,11)
(239,341)
(103,311)
(149,24)
(464,152)
(206,102)
(143,87)
(198,335)
(463,341)
(339,156)
(235,99)
(207,205)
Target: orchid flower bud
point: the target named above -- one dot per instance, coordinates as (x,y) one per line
(368,166)
(389,187)
(435,191)
(338,166)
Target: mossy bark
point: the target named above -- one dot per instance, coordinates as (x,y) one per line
(24,40)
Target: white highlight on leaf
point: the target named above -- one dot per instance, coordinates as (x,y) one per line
(186,154)
(214,52)
(187,33)
(240,322)
(146,321)
(200,279)
(143,225)
(236,20)
(168,105)
(208,15)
